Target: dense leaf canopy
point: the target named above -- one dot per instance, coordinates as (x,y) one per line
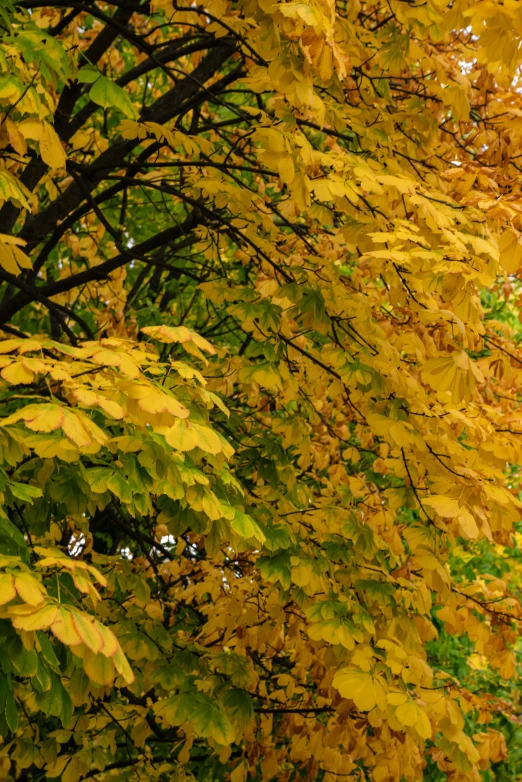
(260,386)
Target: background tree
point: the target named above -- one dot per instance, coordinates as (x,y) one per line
(260,381)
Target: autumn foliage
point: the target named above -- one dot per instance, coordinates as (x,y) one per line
(260,387)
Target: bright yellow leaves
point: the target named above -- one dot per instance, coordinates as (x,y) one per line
(455,373)
(88,398)
(174,138)
(87,638)
(7,588)
(449,508)
(133,394)
(81,572)
(12,258)
(118,403)
(314,25)
(364,689)
(186,435)
(335,631)
(51,149)
(76,426)
(371,369)
(26,586)
(445,506)
(11,189)
(409,714)
(179,334)
(151,404)
(106,357)
(369,691)
(510,248)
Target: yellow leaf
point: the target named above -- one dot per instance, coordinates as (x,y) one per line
(63,628)
(100,578)
(99,669)
(7,589)
(113,358)
(180,334)
(12,259)
(152,400)
(8,345)
(358,686)
(446,507)
(12,188)
(286,170)
(46,418)
(239,774)
(87,631)
(83,584)
(75,430)
(182,436)
(467,524)
(406,713)
(345,637)
(90,399)
(51,148)
(422,726)
(507,664)
(28,619)
(455,373)
(31,128)
(29,589)
(131,129)
(39,418)
(72,772)
(16,139)
(110,642)
(208,440)
(123,667)
(209,504)
(17,373)
(397,698)
(510,248)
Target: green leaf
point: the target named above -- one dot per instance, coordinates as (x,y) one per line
(97,478)
(11,712)
(208,719)
(24,491)
(246,527)
(41,680)
(7,12)
(12,541)
(47,651)
(276,568)
(277,537)
(67,708)
(25,661)
(119,486)
(51,701)
(87,74)
(239,704)
(108,95)
(44,50)
(217,534)
(4,689)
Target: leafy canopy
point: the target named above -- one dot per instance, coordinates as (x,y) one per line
(260,390)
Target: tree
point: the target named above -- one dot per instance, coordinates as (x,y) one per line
(260,386)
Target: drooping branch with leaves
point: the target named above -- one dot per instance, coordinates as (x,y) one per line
(259,379)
